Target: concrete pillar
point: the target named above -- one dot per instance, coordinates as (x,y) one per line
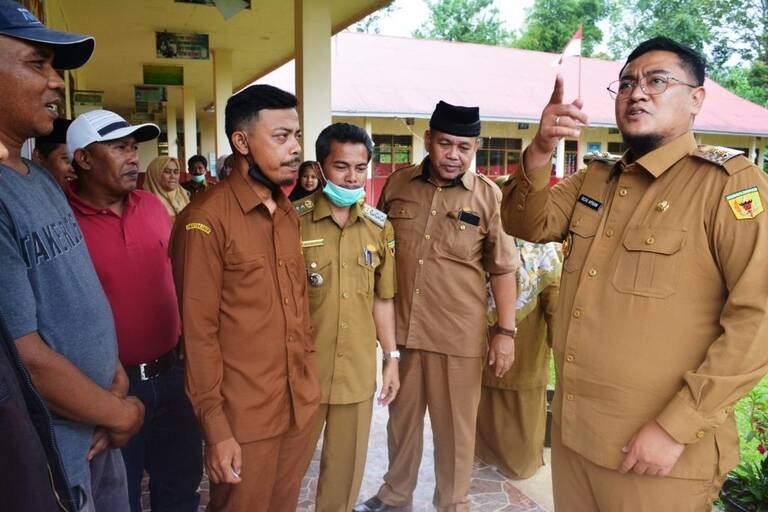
(312,29)
(67,96)
(369,129)
(752,149)
(760,152)
(222,87)
(190,123)
(581,151)
(170,127)
(560,159)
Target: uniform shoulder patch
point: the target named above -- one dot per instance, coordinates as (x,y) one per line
(600,156)
(723,157)
(746,204)
(304,206)
(198,226)
(378,217)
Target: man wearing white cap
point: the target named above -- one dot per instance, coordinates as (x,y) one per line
(54,306)
(127,233)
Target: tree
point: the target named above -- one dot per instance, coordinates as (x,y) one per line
(550,24)
(469,21)
(370,24)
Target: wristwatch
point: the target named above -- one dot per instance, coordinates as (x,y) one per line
(512,333)
(395,354)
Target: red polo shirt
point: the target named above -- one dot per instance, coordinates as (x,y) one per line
(130,253)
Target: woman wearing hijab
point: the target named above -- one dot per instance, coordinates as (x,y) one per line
(163,181)
(309,180)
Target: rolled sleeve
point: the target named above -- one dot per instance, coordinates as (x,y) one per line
(197,255)
(737,360)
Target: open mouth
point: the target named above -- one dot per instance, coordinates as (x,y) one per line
(635,113)
(132,175)
(53,107)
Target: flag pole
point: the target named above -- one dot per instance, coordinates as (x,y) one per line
(579,75)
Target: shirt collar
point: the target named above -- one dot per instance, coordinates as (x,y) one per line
(422,172)
(250,194)
(85,208)
(660,159)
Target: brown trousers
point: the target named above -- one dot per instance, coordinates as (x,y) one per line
(511,425)
(271,473)
(449,387)
(345,447)
(582,486)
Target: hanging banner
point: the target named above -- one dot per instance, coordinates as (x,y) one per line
(182,45)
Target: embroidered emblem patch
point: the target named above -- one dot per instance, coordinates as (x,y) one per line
(746,204)
(199,226)
(391,246)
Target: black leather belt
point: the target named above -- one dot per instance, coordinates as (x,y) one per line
(152,369)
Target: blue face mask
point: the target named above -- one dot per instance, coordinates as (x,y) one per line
(343,197)
(198,178)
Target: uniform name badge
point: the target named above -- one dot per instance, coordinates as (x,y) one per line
(746,204)
(319,242)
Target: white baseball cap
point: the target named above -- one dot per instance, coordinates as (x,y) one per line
(102,126)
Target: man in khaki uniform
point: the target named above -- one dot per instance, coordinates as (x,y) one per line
(349,251)
(449,234)
(662,320)
(512,416)
(251,371)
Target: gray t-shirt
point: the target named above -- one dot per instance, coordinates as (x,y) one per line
(48,284)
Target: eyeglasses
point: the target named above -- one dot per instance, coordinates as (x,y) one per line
(652,85)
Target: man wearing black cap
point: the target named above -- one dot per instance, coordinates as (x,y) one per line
(449,235)
(51,153)
(50,295)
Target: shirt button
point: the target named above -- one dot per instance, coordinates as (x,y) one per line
(343,264)
(339,355)
(418,291)
(439,189)
(569,397)
(623,192)
(569,358)
(592,272)
(345,295)
(344,325)
(421,262)
(279,263)
(577,313)
(650,240)
(609,232)
(700,434)
(433,212)
(462,227)
(290,337)
(427,237)
(285,300)
(728,410)
(521,207)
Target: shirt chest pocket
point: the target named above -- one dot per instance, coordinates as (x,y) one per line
(402,214)
(318,278)
(648,261)
(366,269)
(462,239)
(576,245)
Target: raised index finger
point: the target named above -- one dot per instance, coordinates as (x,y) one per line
(557,92)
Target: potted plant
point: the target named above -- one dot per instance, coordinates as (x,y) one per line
(746,488)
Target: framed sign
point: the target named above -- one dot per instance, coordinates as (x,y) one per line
(182,45)
(163,75)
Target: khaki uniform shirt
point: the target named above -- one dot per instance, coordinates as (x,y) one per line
(241,282)
(442,258)
(345,268)
(663,298)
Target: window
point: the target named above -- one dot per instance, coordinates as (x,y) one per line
(391,152)
(616,148)
(571,157)
(498,156)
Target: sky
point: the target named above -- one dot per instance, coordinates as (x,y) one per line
(410,14)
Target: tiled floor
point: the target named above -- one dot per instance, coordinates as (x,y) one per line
(490,491)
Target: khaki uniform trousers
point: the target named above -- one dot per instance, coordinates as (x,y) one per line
(582,486)
(449,387)
(271,473)
(345,448)
(511,425)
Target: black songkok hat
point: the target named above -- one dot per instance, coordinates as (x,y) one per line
(58,135)
(454,120)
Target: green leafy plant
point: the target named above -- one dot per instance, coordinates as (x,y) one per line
(747,484)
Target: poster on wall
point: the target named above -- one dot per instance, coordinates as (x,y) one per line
(163,75)
(149,98)
(85,101)
(182,45)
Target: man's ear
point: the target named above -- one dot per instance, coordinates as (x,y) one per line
(697,99)
(427,139)
(239,141)
(83,159)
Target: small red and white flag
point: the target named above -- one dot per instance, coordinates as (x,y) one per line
(572,49)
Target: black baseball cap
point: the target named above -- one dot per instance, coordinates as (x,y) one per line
(70,51)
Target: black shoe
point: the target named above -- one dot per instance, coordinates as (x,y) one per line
(376,505)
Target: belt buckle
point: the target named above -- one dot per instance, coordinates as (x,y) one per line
(142,372)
